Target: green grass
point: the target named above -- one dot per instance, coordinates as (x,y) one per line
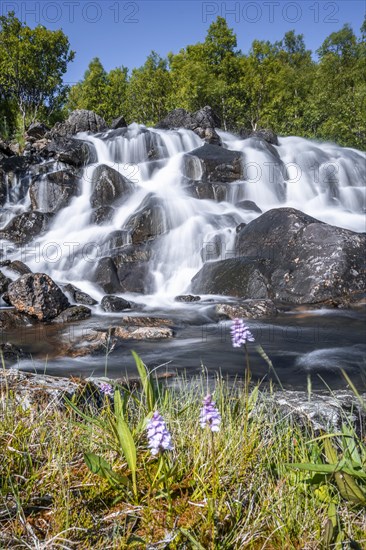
(239,492)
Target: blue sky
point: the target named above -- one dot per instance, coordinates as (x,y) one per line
(123,32)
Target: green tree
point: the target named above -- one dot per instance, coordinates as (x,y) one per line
(148,91)
(32,65)
(90,93)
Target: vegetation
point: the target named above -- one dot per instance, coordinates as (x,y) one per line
(281,85)
(84,477)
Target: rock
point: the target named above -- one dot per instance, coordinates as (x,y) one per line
(10,352)
(250,309)
(236,277)
(202,122)
(132,264)
(4,283)
(13,179)
(74,152)
(79,296)
(143,333)
(102,215)
(118,122)
(289,257)
(73,314)
(5,149)
(212,250)
(37,295)
(240,227)
(108,186)
(37,130)
(25,227)
(106,277)
(187,298)
(151,322)
(19,267)
(114,243)
(53,191)
(149,222)
(266,134)
(94,342)
(114,303)
(248,205)
(10,319)
(211,163)
(80,120)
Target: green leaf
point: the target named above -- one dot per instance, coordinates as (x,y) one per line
(147,385)
(195,542)
(97,465)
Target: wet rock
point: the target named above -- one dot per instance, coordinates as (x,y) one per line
(54,191)
(79,296)
(114,303)
(151,322)
(132,264)
(80,120)
(236,277)
(108,186)
(10,319)
(115,242)
(240,227)
(250,309)
(202,122)
(70,151)
(13,178)
(94,342)
(106,277)
(149,222)
(38,296)
(187,298)
(118,122)
(73,314)
(248,205)
(11,353)
(266,134)
(19,267)
(102,215)
(143,333)
(25,227)
(4,283)
(211,163)
(5,149)
(37,130)
(212,249)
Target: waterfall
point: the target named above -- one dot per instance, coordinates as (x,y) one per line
(323,180)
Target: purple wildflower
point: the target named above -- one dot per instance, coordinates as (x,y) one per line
(158,436)
(210,415)
(106,388)
(240,334)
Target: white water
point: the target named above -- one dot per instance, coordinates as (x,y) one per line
(323,180)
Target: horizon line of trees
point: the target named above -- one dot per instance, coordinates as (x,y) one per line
(275,85)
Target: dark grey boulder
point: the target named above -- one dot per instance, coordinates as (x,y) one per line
(109,186)
(248,309)
(265,133)
(53,191)
(4,283)
(19,267)
(80,120)
(25,227)
(202,122)
(118,122)
(79,296)
(105,275)
(37,130)
(11,319)
(73,314)
(251,206)
(114,303)
(37,295)
(74,152)
(211,163)
(102,215)
(187,298)
(149,222)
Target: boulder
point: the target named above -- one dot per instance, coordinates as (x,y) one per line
(114,303)
(248,205)
(291,258)
(73,314)
(132,263)
(248,309)
(108,186)
(118,122)
(10,352)
(149,222)
(80,120)
(151,322)
(37,130)
(202,122)
(187,298)
(13,178)
(142,333)
(74,152)
(211,163)
(38,296)
(10,319)
(19,267)
(79,296)
(5,149)
(53,191)
(105,275)
(25,227)
(102,215)
(265,133)
(94,342)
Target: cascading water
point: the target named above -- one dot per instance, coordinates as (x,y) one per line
(323,180)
